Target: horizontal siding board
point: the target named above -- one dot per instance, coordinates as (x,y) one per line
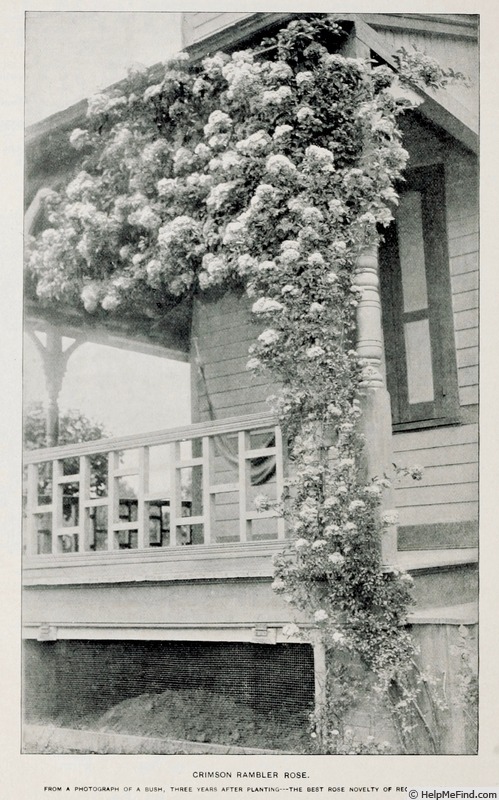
(435,437)
(468,376)
(238,397)
(243,381)
(229,366)
(447,494)
(238,318)
(222,412)
(467,338)
(465,282)
(463,301)
(231,350)
(462,225)
(205,24)
(440,456)
(463,244)
(465,319)
(462,264)
(424,515)
(468,395)
(441,474)
(230,303)
(218,339)
(467,357)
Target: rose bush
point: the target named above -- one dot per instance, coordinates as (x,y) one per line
(271,168)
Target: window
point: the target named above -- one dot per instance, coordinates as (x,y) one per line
(416,302)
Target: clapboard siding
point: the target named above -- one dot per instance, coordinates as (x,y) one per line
(461,189)
(200,25)
(462,228)
(224,328)
(467,357)
(465,282)
(435,438)
(464,264)
(463,245)
(438,512)
(457,52)
(448,489)
(467,338)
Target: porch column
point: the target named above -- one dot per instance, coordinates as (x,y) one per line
(320,683)
(376,419)
(54,360)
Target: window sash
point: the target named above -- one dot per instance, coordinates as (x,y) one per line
(399,325)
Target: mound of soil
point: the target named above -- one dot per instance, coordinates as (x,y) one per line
(200,716)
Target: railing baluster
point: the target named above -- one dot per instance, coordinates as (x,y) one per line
(84,495)
(112,498)
(57,499)
(279,477)
(32,503)
(243,438)
(208,500)
(206,491)
(175,491)
(142,507)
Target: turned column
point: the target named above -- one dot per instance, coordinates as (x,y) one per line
(376,417)
(54,360)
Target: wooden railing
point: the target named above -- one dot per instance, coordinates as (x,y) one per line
(185,486)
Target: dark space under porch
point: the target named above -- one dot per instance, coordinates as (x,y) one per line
(241,693)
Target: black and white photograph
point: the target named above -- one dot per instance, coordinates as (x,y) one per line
(250,397)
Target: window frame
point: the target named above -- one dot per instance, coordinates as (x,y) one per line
(429,181)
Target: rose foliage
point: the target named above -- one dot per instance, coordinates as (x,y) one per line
(271,169)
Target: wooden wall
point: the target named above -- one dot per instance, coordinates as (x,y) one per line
(458,52)
(448,491)
(224,328)
(202,24)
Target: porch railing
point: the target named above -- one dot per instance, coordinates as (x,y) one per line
(186,486)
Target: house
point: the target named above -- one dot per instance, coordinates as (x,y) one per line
(147,565)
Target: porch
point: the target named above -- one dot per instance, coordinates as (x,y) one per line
(185,496)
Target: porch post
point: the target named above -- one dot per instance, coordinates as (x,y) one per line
(376,417)
(54,360)
(320,680)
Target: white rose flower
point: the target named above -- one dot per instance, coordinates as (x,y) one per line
(153,91)
(79,138)
(331,530)
(301,543)
(266,305)
(90,296)
(269,337)
(320,615)
(337,559)
(110,302)
(253,363)
(305,112)
(97,104)
(315,259)
(390,517)
(315,351)
(279,165)
(304,77)
(281,130)
(289,256)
